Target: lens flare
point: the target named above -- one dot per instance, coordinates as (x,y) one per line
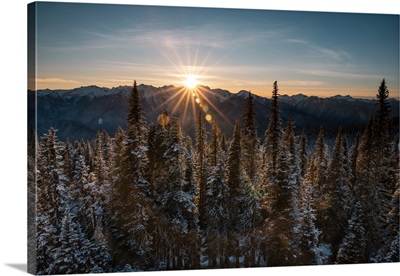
(163,120)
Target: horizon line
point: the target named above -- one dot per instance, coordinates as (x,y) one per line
(178,86)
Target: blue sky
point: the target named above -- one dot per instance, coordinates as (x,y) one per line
(321,54)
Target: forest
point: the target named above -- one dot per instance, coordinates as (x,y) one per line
(152,198)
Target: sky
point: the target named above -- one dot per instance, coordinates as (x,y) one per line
(321,54)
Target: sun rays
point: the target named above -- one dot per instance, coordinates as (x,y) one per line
(191,67)
(191,81)
(185,103)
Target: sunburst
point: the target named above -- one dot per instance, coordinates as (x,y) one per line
(191,81)
(192,74)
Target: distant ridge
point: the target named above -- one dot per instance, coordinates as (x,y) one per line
(80,112)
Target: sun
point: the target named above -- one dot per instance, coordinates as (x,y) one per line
(191,81)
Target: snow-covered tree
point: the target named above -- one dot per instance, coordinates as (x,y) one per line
(308,251)
(272,142)
(76,253)
(352,248)
(52,198)
(217,204)
(250,140)
(368,190)
(336,196)
(353,161)
(303,153)
(320,174)
(132,209)
(200,168)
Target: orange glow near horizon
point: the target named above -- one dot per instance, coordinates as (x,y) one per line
(191,82)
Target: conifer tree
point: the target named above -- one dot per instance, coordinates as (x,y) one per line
(272,148)
(76,253)
(353,161)
(368,192)
(279,188)
(308,251)
(135,116)
(381,124)
(235,184)
(352,248)
(217,204)
(178,199)
(273,135)
(32,174)
(293,183)
(336,196)
(250,139)
(303,153)
(201,168)
(382,158)
(283,204)
(133,210)
(391,252)
(214,144)
(100,167)
(156,171)
(321,168)
(52,196)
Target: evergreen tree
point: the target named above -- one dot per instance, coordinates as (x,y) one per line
(217,204)
(321,169)
(273,136)
(217,217)
(382,159)
(133,210)
(281,174)
(283,204)
(214,144)
(353,161)
(368,192)
(76,253)
(135,118)
(391,254)
(201,168)
(156,171)
(250,139)
(293,183)
(236,192)
(303,153)
(308,234)
(52,199)
(32,174)
(100,169)
(271,147)
(178,199)
(352,249)
(336,196)
(381,124)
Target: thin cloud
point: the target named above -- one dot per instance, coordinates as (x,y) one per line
(54,80)
(330,53)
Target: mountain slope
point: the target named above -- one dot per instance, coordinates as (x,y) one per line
(79,113)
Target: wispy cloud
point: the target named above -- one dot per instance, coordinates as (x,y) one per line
(54,80)
(338,55)
(306,83)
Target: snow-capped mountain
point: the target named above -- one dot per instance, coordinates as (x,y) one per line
(79,113)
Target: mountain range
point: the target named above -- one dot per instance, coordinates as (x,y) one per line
(79,113)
